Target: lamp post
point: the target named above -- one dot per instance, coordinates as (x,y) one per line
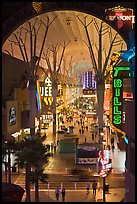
(104,184)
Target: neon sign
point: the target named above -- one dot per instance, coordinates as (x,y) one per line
(38,95)
(46,91)
(121,16)
(116,112)
(104,163)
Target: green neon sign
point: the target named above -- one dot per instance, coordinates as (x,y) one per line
(116,102)
(118,73)
(117,96)
(117,69)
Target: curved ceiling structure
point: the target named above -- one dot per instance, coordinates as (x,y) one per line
(66,27)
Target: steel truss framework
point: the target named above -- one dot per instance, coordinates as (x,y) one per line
(28,12)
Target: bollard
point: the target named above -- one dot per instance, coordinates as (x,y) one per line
(61,186)
(75,186)
(48,186)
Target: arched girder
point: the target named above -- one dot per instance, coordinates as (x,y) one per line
(26,13)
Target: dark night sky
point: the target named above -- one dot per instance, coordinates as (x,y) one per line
(8,8)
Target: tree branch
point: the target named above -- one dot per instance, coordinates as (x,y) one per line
(20,47)
(64,47)
(25,51)
(106,61)
(96,25)
(45,35)
(31,54)
(48,64)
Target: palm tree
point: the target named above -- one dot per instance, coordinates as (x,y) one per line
(35,177)
(8,147)
(31,154)
(39,161)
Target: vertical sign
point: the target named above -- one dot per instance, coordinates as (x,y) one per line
(116,115)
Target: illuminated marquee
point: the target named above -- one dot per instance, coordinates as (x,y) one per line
(46,91)
(104,163)
(121,15)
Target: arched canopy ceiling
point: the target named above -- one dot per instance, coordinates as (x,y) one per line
(66,26)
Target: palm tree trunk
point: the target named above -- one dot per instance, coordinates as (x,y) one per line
(36,190)
(54,95)
(32,94)
(9,168)
(27,182)
(100,99)
(6,179)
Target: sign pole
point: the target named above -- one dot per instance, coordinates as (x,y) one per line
(104,199)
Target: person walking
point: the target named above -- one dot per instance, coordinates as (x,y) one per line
(57,192)
(63,194)
(85,139)
(80,131)
(54,147)
(113,147)
(87,187)
(94,187)
(92,137)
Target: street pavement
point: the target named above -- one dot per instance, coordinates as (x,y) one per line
(59,168)
(114,195)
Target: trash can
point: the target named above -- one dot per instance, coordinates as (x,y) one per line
(13,169)
(107,187)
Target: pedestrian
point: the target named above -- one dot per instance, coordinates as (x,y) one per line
(82,131)
(92,137)
(57,192)
(57,142)
(79,131)
(85,139)
(113,147)
(87,187)
(87,128)
(63,194)
(94,187)
(51,147)
(54,147)
(112,141)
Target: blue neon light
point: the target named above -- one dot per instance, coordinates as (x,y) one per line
(126,140)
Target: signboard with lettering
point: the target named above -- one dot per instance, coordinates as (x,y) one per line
(104,163)
(46,91)
(120,16)
(116,113)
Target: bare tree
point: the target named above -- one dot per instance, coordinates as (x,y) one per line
(54,73)
(31,74)
(100,69)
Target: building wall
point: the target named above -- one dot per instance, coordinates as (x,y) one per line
(11,128)
(130,163)
(12,73)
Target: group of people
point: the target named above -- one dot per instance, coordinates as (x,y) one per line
(62,192)
(58,192)
(94,187)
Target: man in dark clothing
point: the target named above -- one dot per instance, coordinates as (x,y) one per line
(94,186)
(63,194)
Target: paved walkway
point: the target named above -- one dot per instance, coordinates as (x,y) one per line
(114,195)
(60,163)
